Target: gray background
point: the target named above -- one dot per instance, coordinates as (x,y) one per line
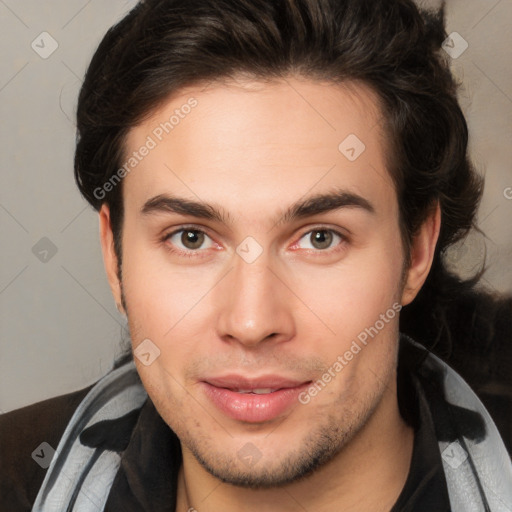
(59,328)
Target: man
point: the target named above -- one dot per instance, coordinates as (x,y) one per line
(275,181)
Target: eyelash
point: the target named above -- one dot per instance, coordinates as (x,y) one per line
(196,253)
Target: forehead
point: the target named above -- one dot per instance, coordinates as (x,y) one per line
(267,141)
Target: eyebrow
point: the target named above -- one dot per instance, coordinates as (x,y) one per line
(313,205)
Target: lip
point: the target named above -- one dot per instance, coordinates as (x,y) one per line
(248,407)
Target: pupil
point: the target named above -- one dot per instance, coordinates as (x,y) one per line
(321,239)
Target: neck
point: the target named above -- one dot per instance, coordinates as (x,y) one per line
(380,453)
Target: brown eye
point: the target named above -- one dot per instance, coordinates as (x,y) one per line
(321,239)
(188,239)
(192,239)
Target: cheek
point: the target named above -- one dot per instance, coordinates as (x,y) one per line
(351,295)
(157,294)
(168,304)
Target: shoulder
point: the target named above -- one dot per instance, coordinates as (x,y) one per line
(21,434)
(472,331)
(484,357)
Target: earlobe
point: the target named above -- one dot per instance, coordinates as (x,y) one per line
(422,254)
(109,255)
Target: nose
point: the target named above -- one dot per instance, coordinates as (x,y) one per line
(254,305)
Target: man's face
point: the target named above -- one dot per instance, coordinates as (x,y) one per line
(261,295)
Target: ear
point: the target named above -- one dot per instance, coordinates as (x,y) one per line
(422,254)
(109,255)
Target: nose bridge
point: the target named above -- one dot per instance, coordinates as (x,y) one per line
(252,304)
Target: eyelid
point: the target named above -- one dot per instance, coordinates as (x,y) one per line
(184,227)
(343,236)
(343,233)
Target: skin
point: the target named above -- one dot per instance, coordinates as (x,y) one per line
(251,150)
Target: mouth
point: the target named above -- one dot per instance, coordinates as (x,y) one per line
(253,400)
(261,391)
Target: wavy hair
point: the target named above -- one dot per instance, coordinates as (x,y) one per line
(392,46)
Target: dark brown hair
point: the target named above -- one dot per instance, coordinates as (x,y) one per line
(390,45)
